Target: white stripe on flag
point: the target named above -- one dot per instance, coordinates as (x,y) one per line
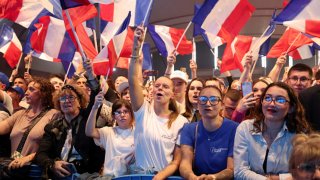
(311,11)
(163,32)
(299,25)
(218,15)
(29,10)
(55,35)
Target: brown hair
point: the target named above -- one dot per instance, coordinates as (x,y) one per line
(295,121)
(46,91)
(306,149)
(118,104)
(189,106)
(67,89)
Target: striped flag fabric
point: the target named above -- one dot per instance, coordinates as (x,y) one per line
(302,15)
(10,45)
(223,18)
(303,52)
(166,39)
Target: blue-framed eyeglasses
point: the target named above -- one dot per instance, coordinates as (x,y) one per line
(277,100)
(214,100)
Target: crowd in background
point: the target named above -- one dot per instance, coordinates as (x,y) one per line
(261,128)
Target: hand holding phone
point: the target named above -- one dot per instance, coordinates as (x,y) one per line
(71,168)
(246,88)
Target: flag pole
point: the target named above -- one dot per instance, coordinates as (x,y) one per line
(293,43)
(75,35)
(65,76)
(149,7)
(183,34)
(95,40)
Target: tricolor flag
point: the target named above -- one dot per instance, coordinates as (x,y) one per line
(67,4)
(223,18)
(10,45)
(52,39)
(303,52)
(166,39)
(302,15)
(292,39)
(118,10)
(236,50)
(22,12)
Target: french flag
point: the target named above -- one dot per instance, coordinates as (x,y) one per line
(236,50)
(166,39)
(303,52)
(10,45)
(52,38)
(302,15)
(67,4)
(118,10)
(224,18)
(292,39)
(21,11)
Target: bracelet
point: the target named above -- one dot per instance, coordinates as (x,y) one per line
(135,57)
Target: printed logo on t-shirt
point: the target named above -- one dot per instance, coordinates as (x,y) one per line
(217,150)
(167,136)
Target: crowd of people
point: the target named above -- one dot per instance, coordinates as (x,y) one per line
(198,129)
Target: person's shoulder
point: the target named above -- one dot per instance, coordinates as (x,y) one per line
(230,122)
(246,124)
(309,91)
(182,119)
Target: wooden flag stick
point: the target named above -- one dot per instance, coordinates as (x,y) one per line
(149,7)
(183,34)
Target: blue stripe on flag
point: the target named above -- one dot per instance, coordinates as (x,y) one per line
(6,34)
(141,12)
(291,10)
(204,11)
(158,41)
(67,49)
(147,64)
(197,30)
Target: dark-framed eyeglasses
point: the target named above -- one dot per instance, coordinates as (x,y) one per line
(119,113)
(308,167)
(70,98)
(280,100)
(302,79)
(214,100)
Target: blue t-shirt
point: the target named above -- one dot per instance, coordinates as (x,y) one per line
(212,148)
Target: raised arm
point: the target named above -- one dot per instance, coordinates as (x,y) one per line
(193,68)
(275,72)
(171,60)
(135,70)
(245,75)
(91,129)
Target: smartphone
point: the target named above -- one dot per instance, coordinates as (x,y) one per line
(246,88)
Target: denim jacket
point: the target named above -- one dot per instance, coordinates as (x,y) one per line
(250,150)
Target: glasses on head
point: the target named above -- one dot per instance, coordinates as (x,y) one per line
(302,79)
(214,100)
(119,113)
(70,98)
(277,100)
(309,167)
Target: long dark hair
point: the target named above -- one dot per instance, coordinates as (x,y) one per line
(121,102)
(189,106)
(295,121)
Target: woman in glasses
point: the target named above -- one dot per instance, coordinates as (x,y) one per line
(65,149)
(158,124)
(304,163)
(207,145)
(192,94)
(262,146)
(117,141)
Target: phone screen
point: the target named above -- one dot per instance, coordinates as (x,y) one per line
(246,88)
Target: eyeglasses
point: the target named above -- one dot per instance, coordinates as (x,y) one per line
(309,167)
(302,79)
(277,100)
(214,100)
(70,98)
(119,113)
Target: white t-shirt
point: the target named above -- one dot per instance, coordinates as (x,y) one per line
(7,102)
(153,140)
(119,146)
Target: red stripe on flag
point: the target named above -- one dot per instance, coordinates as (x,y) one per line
(185,46)
(10,9)
(85,41)
(79,15)
(12,55)
(128,44)
(233,24)
(312,28)
(123,63)
(107,12)
(38,37)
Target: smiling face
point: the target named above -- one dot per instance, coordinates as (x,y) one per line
(163,90)
(194,91)
(207,110)
(274,111)
(123,117)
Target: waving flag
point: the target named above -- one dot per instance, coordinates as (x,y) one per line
(51,31)
(302,15)
(303,52)
(166,40)
(292,39)
(236,50)
(117,11)
(224,18)
(21,11)
(10,45)
(147,64)
(66,4)
(197,30)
